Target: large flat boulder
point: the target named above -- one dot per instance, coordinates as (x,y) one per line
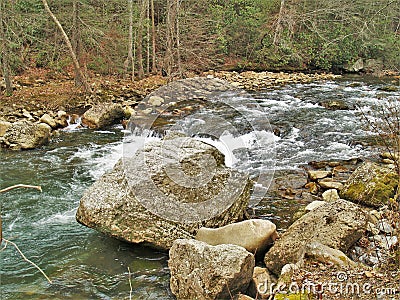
(25,135)
(201,271)
(337,225)
(371,184)
(102,115)
(166,191)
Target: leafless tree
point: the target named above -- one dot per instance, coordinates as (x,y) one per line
(153,40)
(173,52)
(4,51)
(75,61)
(130,60)
(139,37)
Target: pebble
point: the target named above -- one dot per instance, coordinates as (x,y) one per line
(384,241)
(384,226)
(329,184)
(372,228)
(374,216)
(314,175)
(330,195)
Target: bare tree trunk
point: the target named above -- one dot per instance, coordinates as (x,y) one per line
(139,41)
(278,28)
(170,23)
(148,38)
(178,50)
(4,53)
(130,60)
(70,48)
(75,39)
(153,44)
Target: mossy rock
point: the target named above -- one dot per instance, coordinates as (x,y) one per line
(371,185)
(388,88)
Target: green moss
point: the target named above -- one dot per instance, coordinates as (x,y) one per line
(353,192)
(371,185)
(297,296)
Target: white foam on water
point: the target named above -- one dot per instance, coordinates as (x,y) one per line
(66,217)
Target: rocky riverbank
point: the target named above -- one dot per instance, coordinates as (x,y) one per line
(58,104)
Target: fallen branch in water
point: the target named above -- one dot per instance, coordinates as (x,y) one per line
(26,259)
(39,188)
(130,284)
(12,243)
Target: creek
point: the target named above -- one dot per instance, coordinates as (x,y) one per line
(83,263)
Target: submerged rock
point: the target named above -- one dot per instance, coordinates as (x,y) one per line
(253,235)
(201,271)
(335,105)
(166,191)
(102,115)
(371,185)
(337,225)
(25,135)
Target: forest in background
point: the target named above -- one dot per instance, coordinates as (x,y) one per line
(142,37)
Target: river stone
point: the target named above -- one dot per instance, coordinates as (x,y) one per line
(260,285)
(155,100)
(139,202)
(315,175)
(202,271)
(4,125)
(254,235)
(25,135)
(337,225)
(102,115)
(385,226)
(390,156)
(48,120)
(322,253)
(371,185)
(335,105)
(329,184)
(313,205)
(356,66)
(330,195)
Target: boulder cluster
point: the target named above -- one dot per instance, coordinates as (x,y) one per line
(227,254)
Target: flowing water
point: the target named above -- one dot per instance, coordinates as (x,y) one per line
(84,264)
